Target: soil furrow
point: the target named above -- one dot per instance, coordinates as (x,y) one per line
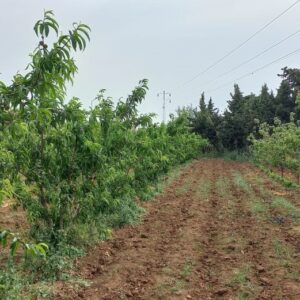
(208,236)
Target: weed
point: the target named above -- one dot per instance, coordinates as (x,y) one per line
(167,271)
(282,180)
(222,186)
(244,296)
(240,276)
(294,275)
(204,188)
(236,155)
(241,183)
(11,285)
(283,203)
(184,188)
(282,251)
(42,291)
(284,254)
(178,286)
(241,280)
(258,207)
(172,286)
(187,269)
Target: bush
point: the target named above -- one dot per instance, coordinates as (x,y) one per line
(72,168)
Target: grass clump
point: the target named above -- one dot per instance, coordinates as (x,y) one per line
(284,204)
(241,183)
(282,251)
(222,186)
(187,269)
(258,207)
(240,276)
(204,189)
(184,188)
(240,279)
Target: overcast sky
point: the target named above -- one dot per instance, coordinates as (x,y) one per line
(165,41)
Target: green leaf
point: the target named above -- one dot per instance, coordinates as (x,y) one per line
(78,41)
(73,41)
(14,245)
(36,27)
(83,42)
(41,28)
(41,249)
(84,31)
(46,27)
(55,28)
(3,237)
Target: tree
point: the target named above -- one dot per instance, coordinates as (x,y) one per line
(278,146)
(244,113)
(77,172)
(204,121)
(202,104)
(235,105)
(284,101)
(234,127)
(211,108)
(292,76)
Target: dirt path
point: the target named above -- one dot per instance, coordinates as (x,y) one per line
(221,230)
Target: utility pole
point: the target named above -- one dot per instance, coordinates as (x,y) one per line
(164,94)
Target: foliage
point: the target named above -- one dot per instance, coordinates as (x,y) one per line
(204,120)
(278,146)
(72,169)
(230,130)
(14,241)
(11,285)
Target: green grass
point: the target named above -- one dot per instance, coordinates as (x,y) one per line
(241,183)
(282,251)
(282,203)
(177,279)
(284,254)
(239,277)
(173,286)
(235,155)
(258,208)
(244,296)
(241,281)
(158,188)
(14,286)
(282,180)
(204,188)
(294,275)
(177,288)
(187,269)
(184,188)
(222,186)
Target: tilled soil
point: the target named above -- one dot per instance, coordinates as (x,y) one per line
(214,233)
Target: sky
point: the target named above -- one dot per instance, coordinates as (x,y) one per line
(167,42)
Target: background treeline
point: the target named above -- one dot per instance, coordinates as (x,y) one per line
(231,130)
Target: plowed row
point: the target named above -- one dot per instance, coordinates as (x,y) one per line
(219,231)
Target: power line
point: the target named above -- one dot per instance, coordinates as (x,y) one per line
(257,70)
(256,56)
(242,44)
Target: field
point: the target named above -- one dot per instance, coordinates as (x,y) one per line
(105,201)
(220,230)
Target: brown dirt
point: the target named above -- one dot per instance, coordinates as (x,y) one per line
(202,238)
(14,219)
